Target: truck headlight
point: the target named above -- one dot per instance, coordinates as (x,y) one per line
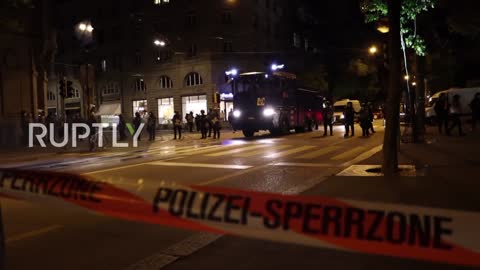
(237,113)
(268,112)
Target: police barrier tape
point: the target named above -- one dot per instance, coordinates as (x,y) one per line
(430,234)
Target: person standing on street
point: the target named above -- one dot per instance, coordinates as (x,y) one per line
(370,117)
(121,128)
(455,112)
(189,118)
(441,110)
(177,126)
(203,124)
(151,126)
(349,118)
(216,124)
(475,106)
(364,119)
(327,118)
(137,121)
(210,122)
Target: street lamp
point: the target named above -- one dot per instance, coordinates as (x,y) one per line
(406,77)
(373,50)
(85,27)
(159,43)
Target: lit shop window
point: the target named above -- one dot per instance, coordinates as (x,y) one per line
(140,106)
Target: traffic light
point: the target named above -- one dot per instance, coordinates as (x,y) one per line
(216,98)
(70,90)
(63,88)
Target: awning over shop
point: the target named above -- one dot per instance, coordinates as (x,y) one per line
(110,109)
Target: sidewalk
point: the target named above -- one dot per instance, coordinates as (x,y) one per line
(450,165)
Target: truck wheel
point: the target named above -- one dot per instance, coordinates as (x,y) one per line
(248,133)
(299,129)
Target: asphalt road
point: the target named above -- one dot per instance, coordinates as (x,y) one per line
(40,237)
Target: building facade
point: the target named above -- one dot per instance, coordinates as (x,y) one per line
(172,55)
(27,45)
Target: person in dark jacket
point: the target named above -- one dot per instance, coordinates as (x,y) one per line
(371,117)
(349,118)
(121,128)
(137,121)
(475,106)
(189,118)
(151,126)
(177,126)
(455,113)
(216,124)
(203,124)
(441,111)
(364,119)
(209,122)
(327,118)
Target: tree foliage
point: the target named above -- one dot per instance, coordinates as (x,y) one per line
(376,10)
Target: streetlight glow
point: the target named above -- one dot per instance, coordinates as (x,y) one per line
(82,27)
(373,50)
(160,43)
(89,28)
(406,77)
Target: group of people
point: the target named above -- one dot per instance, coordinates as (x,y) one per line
(365,117)
(448,114)
(204,123)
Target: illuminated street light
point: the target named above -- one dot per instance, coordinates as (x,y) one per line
(373,50)
(275,67)
(89,28)
(160,43)
(414,83)
(82,27)
(406,77)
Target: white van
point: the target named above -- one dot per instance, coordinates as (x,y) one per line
(466,96)
(339,107)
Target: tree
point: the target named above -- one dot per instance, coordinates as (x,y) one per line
(402,18)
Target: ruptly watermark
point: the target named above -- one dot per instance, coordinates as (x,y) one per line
(71,134)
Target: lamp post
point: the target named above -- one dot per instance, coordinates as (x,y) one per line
(85,34)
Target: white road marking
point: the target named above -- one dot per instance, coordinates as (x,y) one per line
(200,165)
(297,164)
(364,156)
(32,234)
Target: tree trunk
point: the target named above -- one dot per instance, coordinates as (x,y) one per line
(390,146)
(420,100)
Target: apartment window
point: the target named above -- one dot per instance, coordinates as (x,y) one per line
(191,19)
(227,17)
(111,89)
(193,79)
(138,58)
(227,46)
(165,82)
(192,50)
(75,93)
(140,85)
(50,95)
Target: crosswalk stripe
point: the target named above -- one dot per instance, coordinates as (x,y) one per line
(200,165)
(319,153)
(261,151)
(290,152)
(355,151)
(166,148)
(235,151)
(203,150)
